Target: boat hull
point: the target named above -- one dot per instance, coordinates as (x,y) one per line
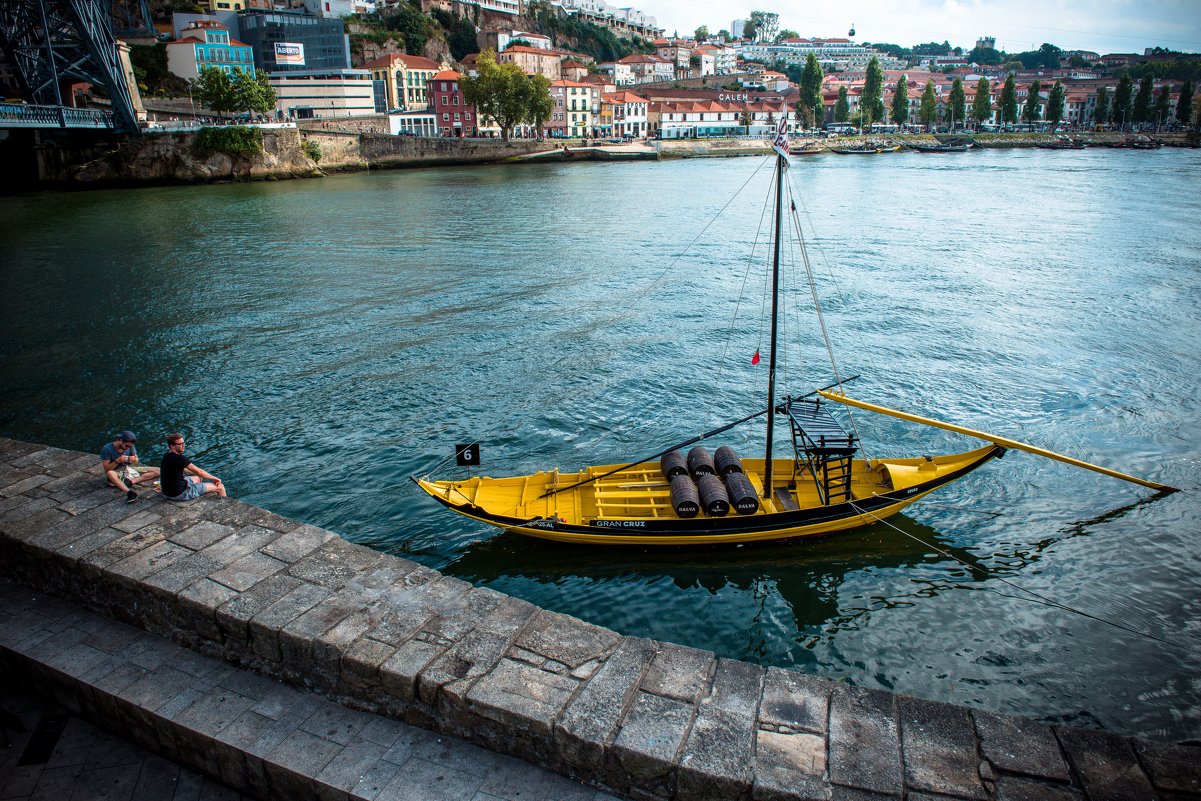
(633,508)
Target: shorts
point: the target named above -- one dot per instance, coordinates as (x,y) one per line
(195,489)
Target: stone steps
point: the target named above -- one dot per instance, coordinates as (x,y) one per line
(253,734)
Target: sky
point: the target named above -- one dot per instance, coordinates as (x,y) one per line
(1103,26)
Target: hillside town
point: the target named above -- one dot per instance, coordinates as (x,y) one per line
(325,65)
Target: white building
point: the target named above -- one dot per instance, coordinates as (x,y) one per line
(534,40)
(601,12)
(724,59)
(629,114)
(324,94)
(339,8)
(832,54)
(413,123)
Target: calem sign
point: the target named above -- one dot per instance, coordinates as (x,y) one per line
(289,53)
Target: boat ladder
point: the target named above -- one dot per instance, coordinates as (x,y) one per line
(823,449)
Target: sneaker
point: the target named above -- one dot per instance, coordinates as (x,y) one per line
(131,496)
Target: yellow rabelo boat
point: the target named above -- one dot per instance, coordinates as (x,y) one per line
(698,498)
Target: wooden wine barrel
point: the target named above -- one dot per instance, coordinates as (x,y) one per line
(684,496)
(673,464)
(743,497)
(700,462)
(726,461)
(714,499)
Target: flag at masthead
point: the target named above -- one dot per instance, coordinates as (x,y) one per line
(780,142)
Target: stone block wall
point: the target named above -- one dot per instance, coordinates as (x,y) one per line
(348,149)
(650,720)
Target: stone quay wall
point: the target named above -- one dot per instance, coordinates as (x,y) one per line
(353,150)
(645,719)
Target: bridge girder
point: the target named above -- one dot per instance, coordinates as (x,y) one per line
(53,42)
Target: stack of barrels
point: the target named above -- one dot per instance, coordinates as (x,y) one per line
(714,483)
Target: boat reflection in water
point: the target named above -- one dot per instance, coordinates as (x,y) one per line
(807,580)
(774,604)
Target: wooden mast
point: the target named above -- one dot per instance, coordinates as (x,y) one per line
(775,305)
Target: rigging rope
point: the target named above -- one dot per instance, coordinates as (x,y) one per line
(742,292)
(817,304)
(1038,597)
(623,313)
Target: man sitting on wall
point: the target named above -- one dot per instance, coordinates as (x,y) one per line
(182,480)
(118,458)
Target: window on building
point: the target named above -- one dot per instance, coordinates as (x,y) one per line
(445,117)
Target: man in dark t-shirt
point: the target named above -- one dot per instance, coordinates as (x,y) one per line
(180,479)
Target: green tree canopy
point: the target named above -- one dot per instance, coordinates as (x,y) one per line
(1031,113)
(701,33)
(842,108)
(1009,101)
(900,101)
(253,94)
(986,55)
(787,33)
(1102,111)
(932,49)
(1055,104)
(1121,99)
(1142,101)
(1184,103)
(871,103)
(958,102)
(214,89)
(982,104)
(749,29)
(1046,57)
(539,104)
(927,112)
(459,31)
(505,94)
(413,26)
(811,90)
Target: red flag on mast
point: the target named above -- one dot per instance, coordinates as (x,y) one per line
(755,358)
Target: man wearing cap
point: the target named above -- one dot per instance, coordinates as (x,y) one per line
(118,459)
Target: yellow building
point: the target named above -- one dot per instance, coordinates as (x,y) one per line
(406,79)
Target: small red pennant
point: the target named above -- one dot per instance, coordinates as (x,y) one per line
(755,358)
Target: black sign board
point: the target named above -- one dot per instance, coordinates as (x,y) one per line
(466,455)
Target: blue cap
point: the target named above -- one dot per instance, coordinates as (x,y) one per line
(129,436)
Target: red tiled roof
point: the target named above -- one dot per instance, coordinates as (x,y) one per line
(524,49)
(624,97)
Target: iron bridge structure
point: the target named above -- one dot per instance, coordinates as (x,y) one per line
(52,44)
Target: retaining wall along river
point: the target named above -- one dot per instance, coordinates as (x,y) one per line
(647,719)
